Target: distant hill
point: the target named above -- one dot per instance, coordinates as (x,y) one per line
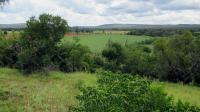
(145,26)
(115,26)
(13,26)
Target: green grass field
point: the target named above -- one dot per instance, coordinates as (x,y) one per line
(97,42)
(57,91)
(182,92)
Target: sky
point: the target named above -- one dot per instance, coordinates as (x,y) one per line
(97,12)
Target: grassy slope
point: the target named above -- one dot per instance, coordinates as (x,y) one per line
(182,92)
(56,92)
(41,93)
(97,42)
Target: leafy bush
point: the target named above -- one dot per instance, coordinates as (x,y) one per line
(134,59)
(114,55)
(126,93)
(72,57)
(139,61)
(8,51)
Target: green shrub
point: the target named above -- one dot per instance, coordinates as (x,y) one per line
(8,51)
(114,55)
(73,57)
(126,93)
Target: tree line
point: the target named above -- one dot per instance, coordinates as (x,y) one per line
(162,32)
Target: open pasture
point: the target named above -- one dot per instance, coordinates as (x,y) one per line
(97,42)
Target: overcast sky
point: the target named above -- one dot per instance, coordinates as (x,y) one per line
(96,12)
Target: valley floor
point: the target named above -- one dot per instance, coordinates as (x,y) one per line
(57,91)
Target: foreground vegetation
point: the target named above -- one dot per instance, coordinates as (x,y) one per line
(36,93)
(56,91)
(186,93)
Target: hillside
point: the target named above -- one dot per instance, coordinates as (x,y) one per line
(57,91)
(13,26)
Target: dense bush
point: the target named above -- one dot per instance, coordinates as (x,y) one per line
(8,51)
(39,42)
(73,57)
(126,93)
(139,60)
(134,59)
(114,54)
(179,58)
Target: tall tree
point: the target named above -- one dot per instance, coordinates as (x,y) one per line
(40,40)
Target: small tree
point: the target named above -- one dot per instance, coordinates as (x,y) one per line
(114,54)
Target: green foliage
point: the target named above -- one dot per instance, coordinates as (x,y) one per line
(134,59)
(179,58)
(114,54)
(39,42)
(126,93)
(1,34)
(8,51)
(163,32)
(139,60)
(73,57)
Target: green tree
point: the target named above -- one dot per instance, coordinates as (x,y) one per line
(39,41)
(179,57)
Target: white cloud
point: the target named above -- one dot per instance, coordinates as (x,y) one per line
(95,12)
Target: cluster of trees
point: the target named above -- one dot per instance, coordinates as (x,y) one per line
(39,48)
(174,59)
(159,32)
(179,58)
(126,93)
(78,30)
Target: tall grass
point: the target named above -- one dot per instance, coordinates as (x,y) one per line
(181,92)
(56,91)
(52,93)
